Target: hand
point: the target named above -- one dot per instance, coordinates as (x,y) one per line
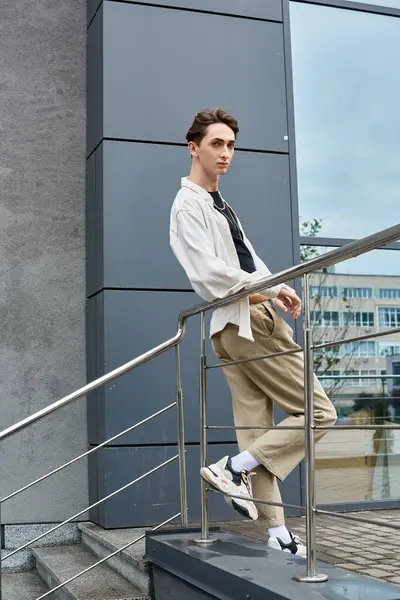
(287,300)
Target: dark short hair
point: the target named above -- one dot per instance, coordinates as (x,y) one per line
(208,117)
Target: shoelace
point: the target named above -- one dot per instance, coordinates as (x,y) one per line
(245,478)
(297,540)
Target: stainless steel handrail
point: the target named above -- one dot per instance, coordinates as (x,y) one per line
(93,385)
(353,249)
(332,257)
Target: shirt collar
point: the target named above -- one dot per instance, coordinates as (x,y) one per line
(185,182)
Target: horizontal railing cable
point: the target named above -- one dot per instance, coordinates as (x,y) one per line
(252,359)
(300,427)
(121,489)
(259,500)
(99,562)
(74,460)
(368,336)
(360,338)
(356,427)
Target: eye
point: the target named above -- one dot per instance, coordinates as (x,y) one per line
(215,143)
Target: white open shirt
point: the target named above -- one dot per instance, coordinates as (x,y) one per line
(201,240)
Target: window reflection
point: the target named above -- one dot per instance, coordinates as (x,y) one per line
(346,98)
(362,378)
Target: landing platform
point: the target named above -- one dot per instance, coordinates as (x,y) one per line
(237,568)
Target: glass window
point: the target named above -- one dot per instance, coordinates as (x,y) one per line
(389,317)
(329,378)
(357,292)
(326,319)
(359,349)
(323,290)
(358,378)
(357,319)
(389,294)
(389,348)
(368,382)
(346,98)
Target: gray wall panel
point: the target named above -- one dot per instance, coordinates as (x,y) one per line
(140,183)
(147,79)
(95,223)
(134,322)
(42,252)
(156,498)
(94,79)
(95,367)
(261,9)
(271,10)
(92,243)
(92,6)
(153,95)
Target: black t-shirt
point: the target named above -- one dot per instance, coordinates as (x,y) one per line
(244,256)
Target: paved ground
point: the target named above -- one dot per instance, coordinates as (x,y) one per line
(365,548)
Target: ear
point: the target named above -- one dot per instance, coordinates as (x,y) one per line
(192,149)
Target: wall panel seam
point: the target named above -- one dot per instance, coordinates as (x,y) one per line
(194,10)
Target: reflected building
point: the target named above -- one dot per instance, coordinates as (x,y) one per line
(346,306)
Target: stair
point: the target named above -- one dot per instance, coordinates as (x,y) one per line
(22,586)
(129,563)
(57,564)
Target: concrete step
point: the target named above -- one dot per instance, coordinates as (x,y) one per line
(18,535)
(23,586)
(22,561)
(129,563)
(56,565)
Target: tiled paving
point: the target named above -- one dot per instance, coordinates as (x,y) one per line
(365,548)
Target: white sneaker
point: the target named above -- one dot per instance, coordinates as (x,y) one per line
(296,546)
(222,477)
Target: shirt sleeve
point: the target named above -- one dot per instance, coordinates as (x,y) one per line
(209,275)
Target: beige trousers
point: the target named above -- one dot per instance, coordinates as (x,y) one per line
(255,387)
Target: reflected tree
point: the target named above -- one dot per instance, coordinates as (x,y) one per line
(321,303)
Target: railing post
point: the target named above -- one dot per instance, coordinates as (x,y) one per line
(205,537)
(311,576)
(181,442)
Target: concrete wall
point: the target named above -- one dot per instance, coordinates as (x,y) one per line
(149,72)
(42,251)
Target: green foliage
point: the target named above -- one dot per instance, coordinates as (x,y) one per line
(309,229)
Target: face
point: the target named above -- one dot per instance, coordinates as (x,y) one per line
(216,149)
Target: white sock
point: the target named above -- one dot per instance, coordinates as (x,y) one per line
(244,462)
(280,532)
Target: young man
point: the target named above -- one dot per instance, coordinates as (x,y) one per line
(209,242)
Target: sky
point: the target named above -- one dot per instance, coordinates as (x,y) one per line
(346,96)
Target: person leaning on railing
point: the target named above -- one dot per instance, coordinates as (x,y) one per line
(208,240)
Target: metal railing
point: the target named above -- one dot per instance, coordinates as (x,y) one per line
(351,250)
(182,476)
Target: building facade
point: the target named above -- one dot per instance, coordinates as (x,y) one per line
(346,305)
(314,87)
